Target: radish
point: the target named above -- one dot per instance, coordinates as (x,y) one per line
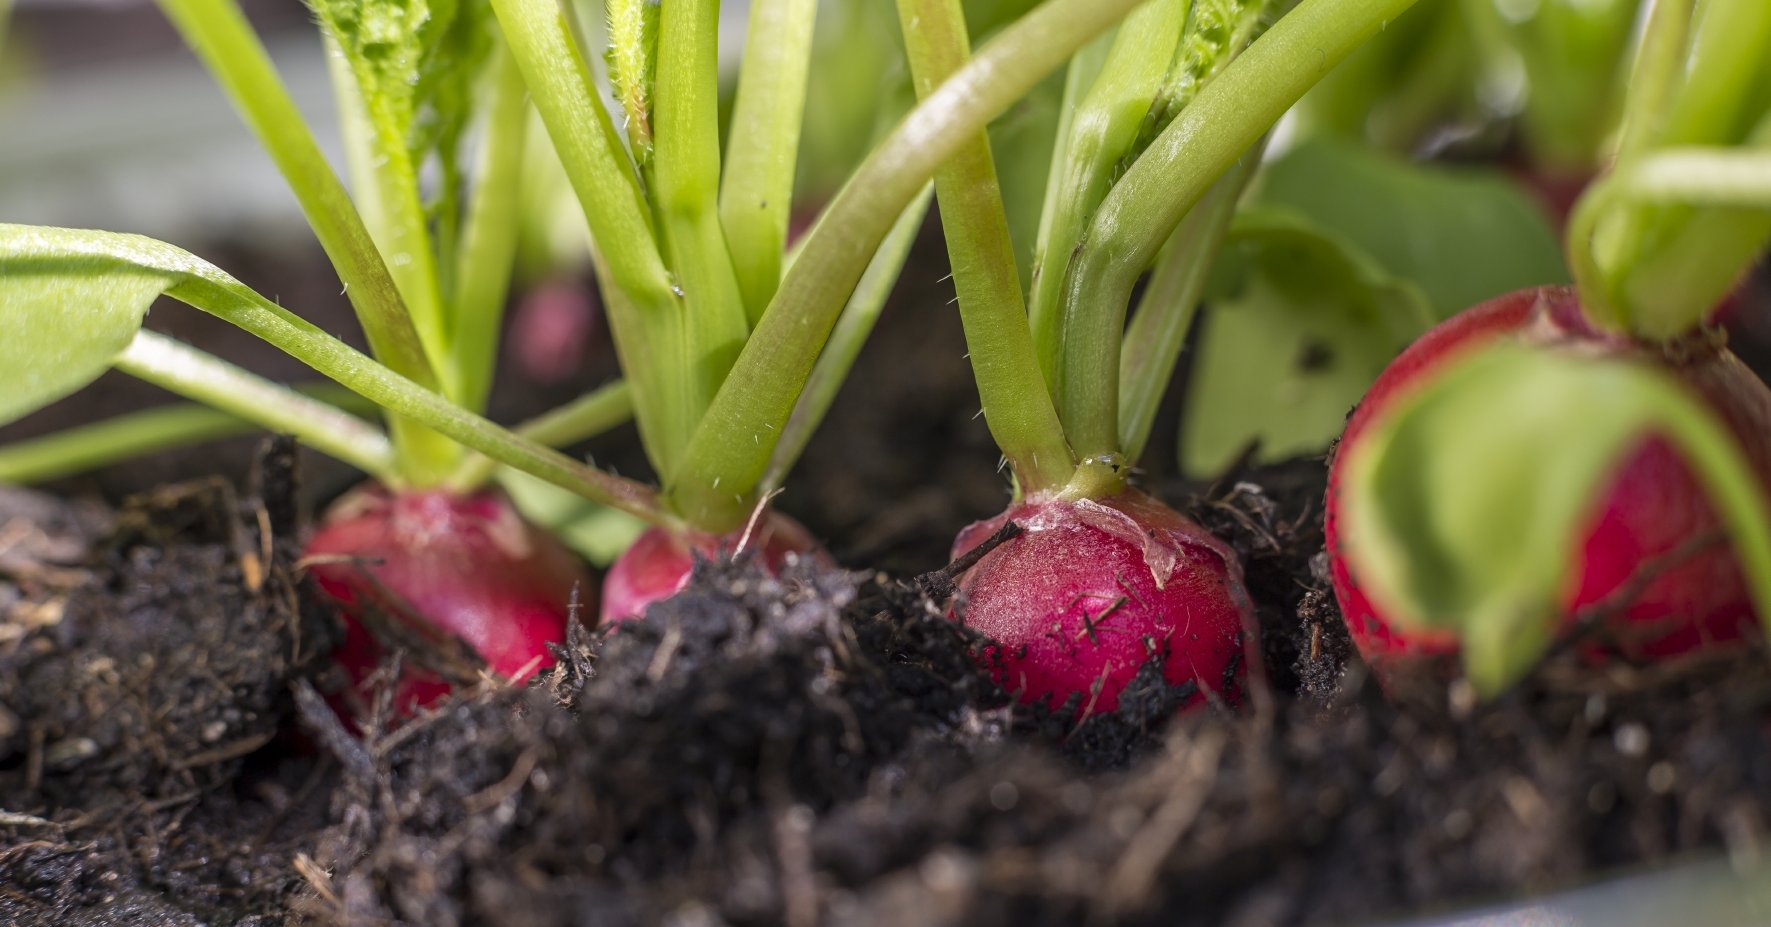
(1092,590)
(1643,569)
(1152,154)
(432,571)
(659,563)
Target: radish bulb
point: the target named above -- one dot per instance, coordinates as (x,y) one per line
(1653,564)
(1092,589)
(459,582)
(660,562)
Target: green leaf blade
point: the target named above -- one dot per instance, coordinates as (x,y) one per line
(67,317)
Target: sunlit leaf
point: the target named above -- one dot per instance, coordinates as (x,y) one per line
(1342,258)
(67,316)
(1462,235)
(1299,327)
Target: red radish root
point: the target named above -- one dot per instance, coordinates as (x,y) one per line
(1655,566)
(658,564)
(1092,589)
(431,571)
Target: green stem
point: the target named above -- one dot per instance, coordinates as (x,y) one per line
(1723,76)
(648,320)
(386,182)
(686,197)
(489,239)
(851,332)
(1656,270)
(220,35)
(585,417)
(1227,117)
(1102,131)
(1153,340)
(632,57)
(193,374)
(714,485)
(763,143)
(137,434)
(345,365)
(1017,407)
(1699,177)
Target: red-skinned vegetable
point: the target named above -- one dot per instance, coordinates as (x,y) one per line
(435,570)
(659,563)
(1654,566)
(1092,589)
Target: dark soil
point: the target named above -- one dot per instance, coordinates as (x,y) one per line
(814,749)
(145,665)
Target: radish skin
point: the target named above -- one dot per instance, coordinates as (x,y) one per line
(659,563)
(1644,566)
(1091,590)
(441,570)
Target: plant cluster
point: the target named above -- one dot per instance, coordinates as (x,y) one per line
(1552,459)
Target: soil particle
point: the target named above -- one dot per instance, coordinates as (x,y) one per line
(139,679)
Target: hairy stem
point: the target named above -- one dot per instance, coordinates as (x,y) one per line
(1153,340)
(686,197)
(1227,117)
(1100,133)
(1017,407)
(763,144)
(136,434)
(489,240)
(585,417)
(179,368)
(851,331)
(219,34)
(648,320)
(715,484)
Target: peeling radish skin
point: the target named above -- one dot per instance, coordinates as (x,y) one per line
(1091,589)
(659,563)
(439,570)
(1647,519)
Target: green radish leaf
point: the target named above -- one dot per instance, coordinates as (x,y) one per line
(1464,507)
(1343,256)
(67,317)
(1301,323)
(1462,235)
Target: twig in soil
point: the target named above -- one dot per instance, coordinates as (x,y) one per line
(225,752)
(756,516)
(15,819)
(1243,461)
(275,476)
(317,879)
(939,585)
(799,887)
(323,724)
(495,794)
(1134,876)
(673,638)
